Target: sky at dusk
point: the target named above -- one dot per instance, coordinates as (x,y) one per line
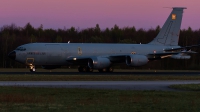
(82,14)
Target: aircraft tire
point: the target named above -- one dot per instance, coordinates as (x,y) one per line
(32,69)
(110,69)
(100,70)
(89,69)
(85,69)
(80,69)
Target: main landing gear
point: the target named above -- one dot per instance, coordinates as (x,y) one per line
(32,68)
(110,69)
(87,69)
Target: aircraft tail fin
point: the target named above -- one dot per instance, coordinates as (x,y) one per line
(169,34)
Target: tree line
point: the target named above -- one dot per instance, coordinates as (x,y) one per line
(12,36)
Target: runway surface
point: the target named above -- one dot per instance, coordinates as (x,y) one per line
(100,73)
(118,85)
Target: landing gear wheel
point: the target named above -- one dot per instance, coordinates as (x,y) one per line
(110,69)
(88,69)
(80,69)
(102,70)
(32,68)
(85,69)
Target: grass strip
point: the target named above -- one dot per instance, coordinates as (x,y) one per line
(188,87)
(26,99)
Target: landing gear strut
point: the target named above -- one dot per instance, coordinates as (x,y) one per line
(32,68)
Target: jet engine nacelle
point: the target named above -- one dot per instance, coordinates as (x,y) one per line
(136,60)
(99,63)
(181,56)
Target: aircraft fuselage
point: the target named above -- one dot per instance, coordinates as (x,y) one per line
(58,53)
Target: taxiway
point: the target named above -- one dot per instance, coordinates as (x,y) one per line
(118,85)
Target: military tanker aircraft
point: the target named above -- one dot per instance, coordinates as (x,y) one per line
(101,56)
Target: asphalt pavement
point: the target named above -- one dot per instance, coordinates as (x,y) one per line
(116,85)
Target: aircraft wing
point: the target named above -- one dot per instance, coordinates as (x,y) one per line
(83,60)
(168,54)
(182,48)
(172,53)
(122,58)
(78,60)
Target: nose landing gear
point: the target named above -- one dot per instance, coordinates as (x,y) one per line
(32,68)
(29,62)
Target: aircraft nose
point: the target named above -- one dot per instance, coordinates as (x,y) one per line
(12,55)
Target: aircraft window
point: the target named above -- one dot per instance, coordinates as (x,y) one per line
(20,49)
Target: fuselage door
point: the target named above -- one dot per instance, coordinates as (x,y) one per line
(29,61)
(79,51)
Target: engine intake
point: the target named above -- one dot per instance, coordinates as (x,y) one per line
(99,63)
(136,60)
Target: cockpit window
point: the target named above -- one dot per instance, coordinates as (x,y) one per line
(20,49)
